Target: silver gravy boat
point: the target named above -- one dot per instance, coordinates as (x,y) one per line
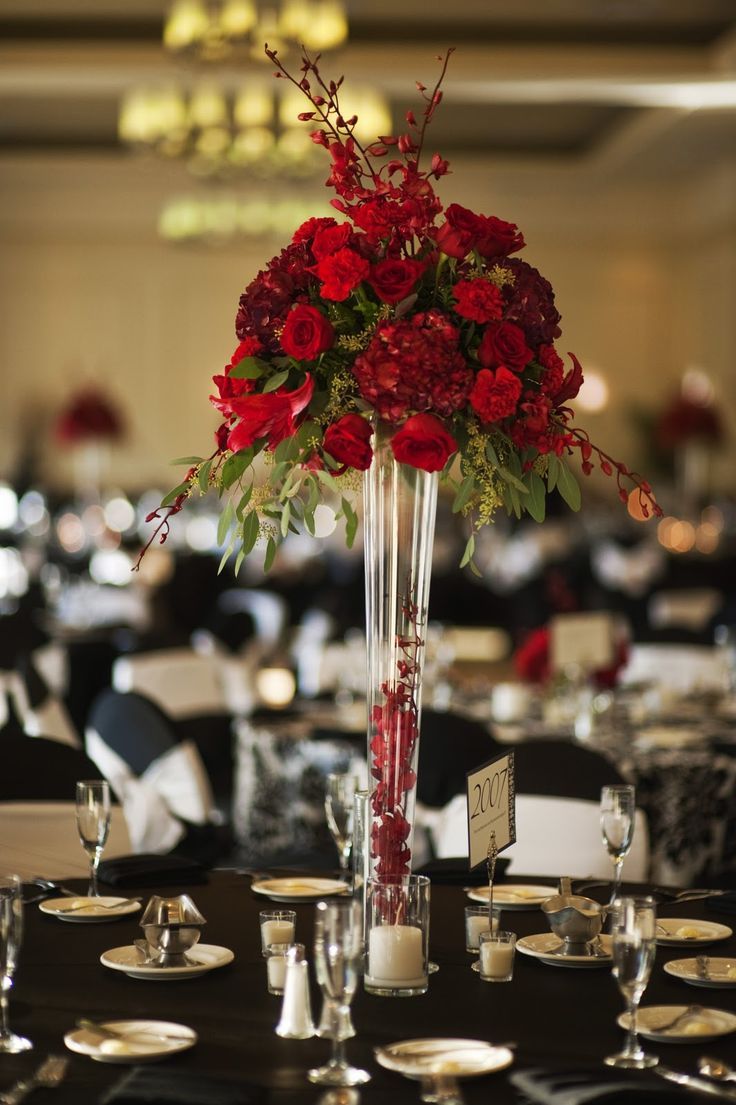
(575,919)
(171,927)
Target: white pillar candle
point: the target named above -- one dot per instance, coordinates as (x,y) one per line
(276,968)
(475,924)
(276,932)
(496,959)
(396,956)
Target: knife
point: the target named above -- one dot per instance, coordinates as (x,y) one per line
(701,1085)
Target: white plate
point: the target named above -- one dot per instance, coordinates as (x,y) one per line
(719,977)
(513,897)
(460,1058)
(141,1042)
(707,932)
(299,888)
(546,946)
(90,909)
(128,959)
(703,1024)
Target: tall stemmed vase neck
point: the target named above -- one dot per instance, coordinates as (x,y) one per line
(400,505)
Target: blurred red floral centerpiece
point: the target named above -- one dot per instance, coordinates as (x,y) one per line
(408,343)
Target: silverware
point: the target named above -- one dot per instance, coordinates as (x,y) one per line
(98,905)
(693,1083)
(690,1011)
(701,966)
(114,1034)
(48,1076)
(716,1068)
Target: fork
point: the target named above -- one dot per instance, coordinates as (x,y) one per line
(48,1076)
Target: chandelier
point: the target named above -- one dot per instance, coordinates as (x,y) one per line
(214,31)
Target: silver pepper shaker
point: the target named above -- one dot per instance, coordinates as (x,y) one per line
(296,1010)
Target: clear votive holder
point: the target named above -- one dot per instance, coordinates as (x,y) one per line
(276,963)
(496,960)
(477,920)
(397,935)
(278,926)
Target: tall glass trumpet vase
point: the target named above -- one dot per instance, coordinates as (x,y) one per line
(400,505)
(634,937)
(11,935)
(618,810)
(93,824)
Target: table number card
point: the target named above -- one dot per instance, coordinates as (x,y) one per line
(581,640)
(491,807)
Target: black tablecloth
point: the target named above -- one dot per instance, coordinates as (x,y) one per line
(559,1017)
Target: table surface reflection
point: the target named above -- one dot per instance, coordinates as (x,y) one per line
(558,1017)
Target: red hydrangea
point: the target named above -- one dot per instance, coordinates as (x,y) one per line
(530,302)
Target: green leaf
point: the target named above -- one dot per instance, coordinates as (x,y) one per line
(553,471)
(569,487)
(225,557)
(174,493)
(326,479)
(250,531)
(234,467)
(239,560)
(492,454)
(245,499)
(270,556)
(463,494)
(204,476)
(187,460)
(351,522)
(226,520)
(536,502)
(276,381)
(513,480)
(285,516)
(250,368)
(469,550)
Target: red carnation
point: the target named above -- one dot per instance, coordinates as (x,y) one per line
(308,229)
(393,279)
(554,369)
(495,394)
(348,441)
(503,343)
(271,415)
(478,300)
(423,442)
(306,333)
(329,239)
(341,272)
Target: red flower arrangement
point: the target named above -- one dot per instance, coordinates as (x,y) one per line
(399,312)
(532,660)
(685,420)
(89,416)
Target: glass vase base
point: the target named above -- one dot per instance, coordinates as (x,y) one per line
(383,991)
(12,1044)
(338,1075)
(638,1061)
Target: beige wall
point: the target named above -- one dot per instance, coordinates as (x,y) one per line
(645,277)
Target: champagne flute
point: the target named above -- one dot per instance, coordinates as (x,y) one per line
(618,809)
(634,936)
(93,823)
(338,957)
(339,807)
(11,934)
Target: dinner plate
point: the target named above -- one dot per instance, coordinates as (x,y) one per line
(546,947)
(135,1041)
(682,931)
(721,972)
(513,897)
(205,957)
(702,1024)
(669,736)
(299,888)
(459,1058)
(88,910)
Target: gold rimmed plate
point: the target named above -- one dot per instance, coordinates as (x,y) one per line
(510,896)
(547,947)
(131,1041)
(680,1024)
(299,888)
(89,910)
(437,1055)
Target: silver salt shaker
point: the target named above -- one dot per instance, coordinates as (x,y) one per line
(296,1010)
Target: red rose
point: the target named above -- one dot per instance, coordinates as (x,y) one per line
(423,442)
(341,272)
(498,238)
(306,333)
(503,343)
(329,239)
(393,280)
(478,300)
(348,441)
(458,235)
(495,394)
(271,415)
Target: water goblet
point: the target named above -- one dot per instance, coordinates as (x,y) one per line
(338,957)
(11,934)
(339,807)
(93,824)
(617,809)
(634,943)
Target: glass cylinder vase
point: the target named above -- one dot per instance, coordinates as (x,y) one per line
(400,506)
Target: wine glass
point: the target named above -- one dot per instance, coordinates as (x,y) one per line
(634,936)
(338,957)
(618,808)
(93,823)
(339,807)
(11,934)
